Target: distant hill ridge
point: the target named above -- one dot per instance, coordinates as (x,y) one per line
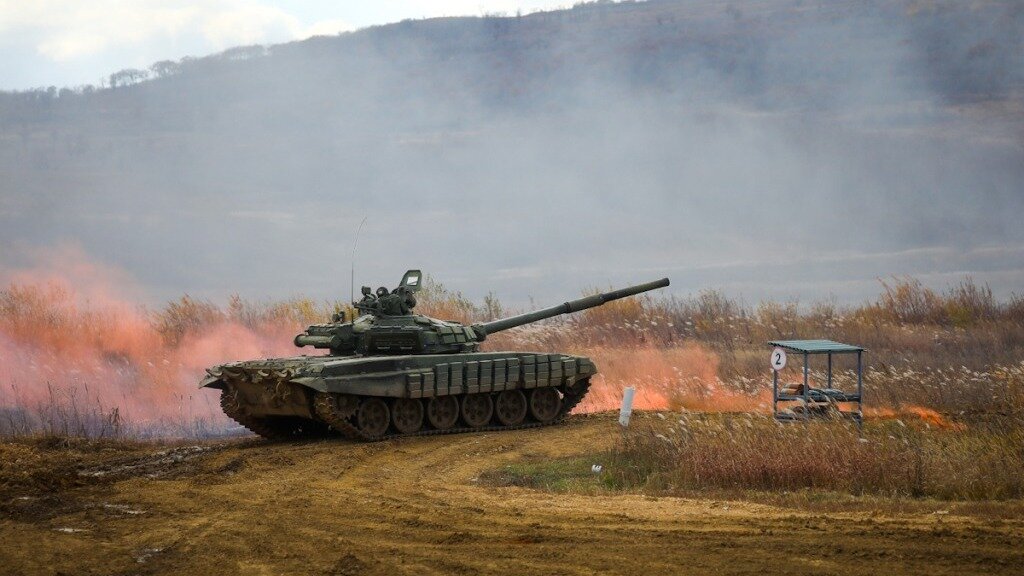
(967,51)
(698,131)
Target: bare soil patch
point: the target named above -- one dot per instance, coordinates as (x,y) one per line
(418,506)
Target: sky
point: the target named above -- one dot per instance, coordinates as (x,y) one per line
(70,43)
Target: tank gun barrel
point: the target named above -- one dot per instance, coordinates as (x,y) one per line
(566,308)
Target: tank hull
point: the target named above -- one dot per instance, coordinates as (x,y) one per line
(375,397)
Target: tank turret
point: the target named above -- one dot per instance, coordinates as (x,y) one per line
(389,326)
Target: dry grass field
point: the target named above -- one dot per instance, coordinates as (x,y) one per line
(431,506)
(112,463)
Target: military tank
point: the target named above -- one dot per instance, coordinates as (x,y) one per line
(391,372)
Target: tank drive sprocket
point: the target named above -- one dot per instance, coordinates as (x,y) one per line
(271,428)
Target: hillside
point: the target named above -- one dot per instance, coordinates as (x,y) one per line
(867,137)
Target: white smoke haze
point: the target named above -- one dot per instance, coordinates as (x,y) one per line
(789,150)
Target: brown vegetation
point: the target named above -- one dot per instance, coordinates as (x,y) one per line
(894,457)
(944,380)
(71,367)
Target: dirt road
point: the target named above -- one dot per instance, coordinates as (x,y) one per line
(413,506)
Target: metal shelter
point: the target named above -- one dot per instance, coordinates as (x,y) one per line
(818,401)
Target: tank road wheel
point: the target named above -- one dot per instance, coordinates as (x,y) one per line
(443,411)
(545,404)
(477,410)
(407,414)
(573,395)
(510,407)
(373,417)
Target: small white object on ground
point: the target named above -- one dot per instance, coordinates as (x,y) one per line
(627,405)
(596,468)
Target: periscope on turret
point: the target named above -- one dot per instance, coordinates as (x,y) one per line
(392,372)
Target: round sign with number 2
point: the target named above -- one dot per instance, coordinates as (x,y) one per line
(778,359)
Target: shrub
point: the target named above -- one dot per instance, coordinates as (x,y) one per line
(907,300)
(437,301)
(968,303)
(183,316)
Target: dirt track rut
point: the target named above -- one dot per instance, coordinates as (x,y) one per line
(412,506)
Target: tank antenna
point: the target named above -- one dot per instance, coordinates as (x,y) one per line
(352,278)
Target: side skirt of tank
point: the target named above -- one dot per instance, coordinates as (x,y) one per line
(517,371)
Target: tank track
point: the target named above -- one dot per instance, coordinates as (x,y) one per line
(324,408)
(269,428)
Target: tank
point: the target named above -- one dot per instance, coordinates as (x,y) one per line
(391,372)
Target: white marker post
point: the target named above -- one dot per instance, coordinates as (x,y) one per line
(778,361)
(627,406)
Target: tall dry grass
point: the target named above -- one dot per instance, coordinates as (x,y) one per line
(980,461)
(68,366)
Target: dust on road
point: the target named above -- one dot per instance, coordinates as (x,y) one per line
(413,506)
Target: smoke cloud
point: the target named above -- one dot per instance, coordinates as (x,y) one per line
(775,151)
(74,348)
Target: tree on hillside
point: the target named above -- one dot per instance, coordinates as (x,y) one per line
(165,68)
(127,77)
(244,52)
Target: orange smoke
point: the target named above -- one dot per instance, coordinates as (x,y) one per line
(686,378)
(70,341)
(70,336)
(926,415)
(675,378)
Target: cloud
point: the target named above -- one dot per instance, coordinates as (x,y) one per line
(327,28)
(62,31)
(64,42)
